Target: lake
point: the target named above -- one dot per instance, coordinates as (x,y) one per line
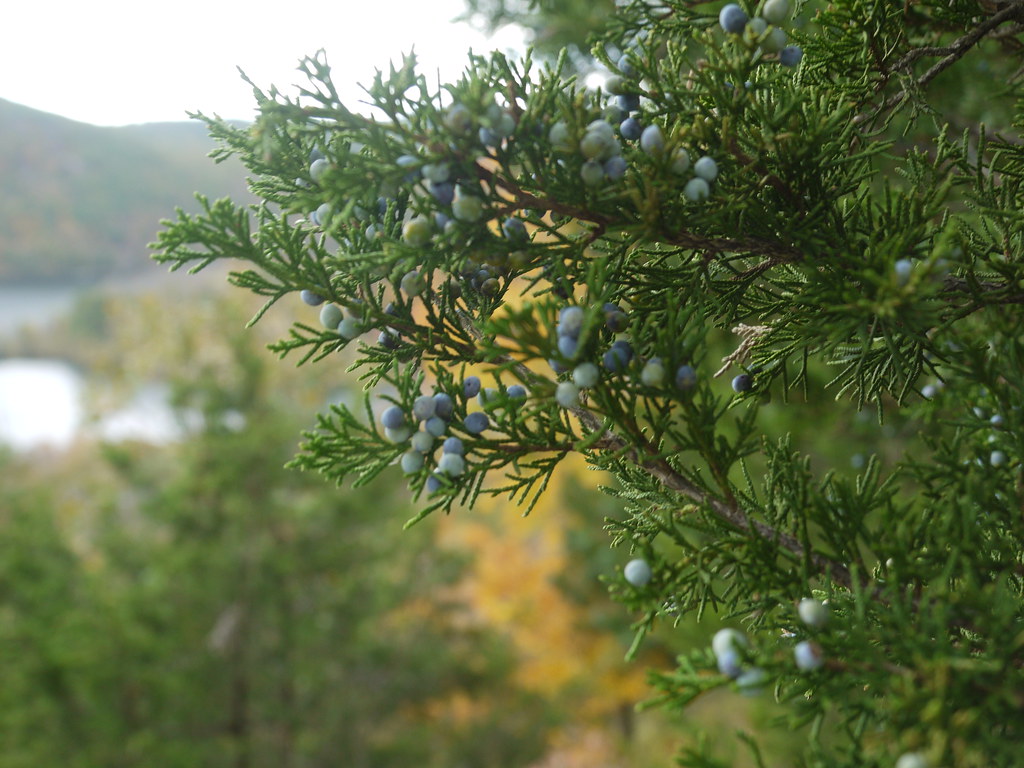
(42,402)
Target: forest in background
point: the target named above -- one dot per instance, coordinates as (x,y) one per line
(81,202)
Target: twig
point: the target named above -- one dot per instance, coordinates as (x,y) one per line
(950,53)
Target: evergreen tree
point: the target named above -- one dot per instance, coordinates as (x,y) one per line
(831,197)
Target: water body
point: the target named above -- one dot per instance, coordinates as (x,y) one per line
(22,306)
(42,402)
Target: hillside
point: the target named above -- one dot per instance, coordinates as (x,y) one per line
(79,203)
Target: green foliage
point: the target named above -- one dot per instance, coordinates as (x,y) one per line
(863,239)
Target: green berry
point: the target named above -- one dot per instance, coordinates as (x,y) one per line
(653,373)
(331,315)
(680,161)
(776,11)
(567,394)
(586,375)
(416,231)
(775,41)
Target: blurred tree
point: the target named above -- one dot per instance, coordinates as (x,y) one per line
(198,604)
(553,25)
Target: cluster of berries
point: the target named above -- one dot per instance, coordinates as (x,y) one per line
(615,360)
(429,420)
(729,645)
(766,29)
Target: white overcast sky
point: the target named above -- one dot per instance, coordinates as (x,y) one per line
(118,62)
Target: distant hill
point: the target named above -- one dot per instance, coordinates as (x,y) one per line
(79,203)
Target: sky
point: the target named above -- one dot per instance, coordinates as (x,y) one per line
(121,62)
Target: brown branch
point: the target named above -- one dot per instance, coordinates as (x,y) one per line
(728,512)
(950,53)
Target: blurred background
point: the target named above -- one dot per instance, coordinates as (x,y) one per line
(169,593)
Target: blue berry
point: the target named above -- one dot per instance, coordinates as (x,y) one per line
(443,405)
(628,102)
(433,484)
(412,462)
(615,319)
(399,435)
(407,161)
(631,129)
(556,366)
(453,445)
(350,327)
(790,55)
(514,229)
(476,423)
(568,347)
(451,464)
(459,119)
(626,67)
(903,268)
(570,321)
(615,167)
(997,459)
(444,193)
(728,639)
(424,407)
(313,299)
(652,142)
(413,284)
(517,392)
(697,190)
(730,664)
(732,18)
(743,383)
(435,426)
(389,339)
(471,386)
(618,357)
(488,137)
(706,168)
(422,442)
(317,169)
(813,612)
(686,377)
(637,572)
(392,418)
(808,656)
